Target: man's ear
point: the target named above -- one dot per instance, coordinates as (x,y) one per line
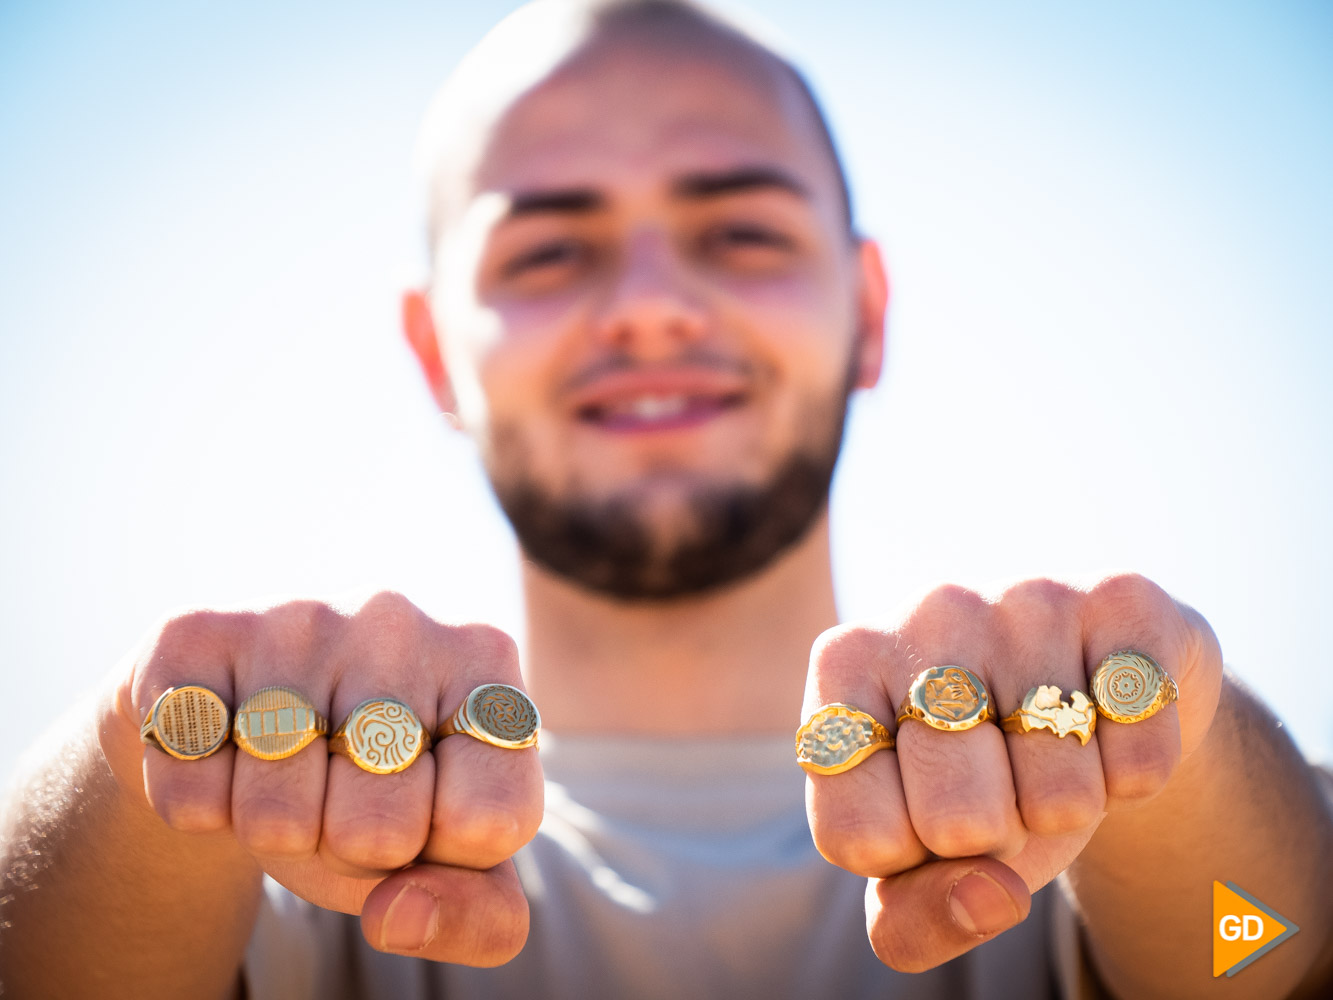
(871,306)
(419,329)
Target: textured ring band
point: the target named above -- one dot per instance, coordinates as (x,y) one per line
(187,722)
(381,735)
(837,737)
(498,714)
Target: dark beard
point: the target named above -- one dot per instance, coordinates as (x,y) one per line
(735,531)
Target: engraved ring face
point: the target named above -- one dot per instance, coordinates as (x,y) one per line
(277,722)
(501,715)
(1129,686)
(187,722)
(948,698)
(382,736)
(838,737)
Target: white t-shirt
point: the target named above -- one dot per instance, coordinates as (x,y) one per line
(671,869)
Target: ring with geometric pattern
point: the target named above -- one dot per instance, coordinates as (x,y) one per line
(276,722)
(1129,686)
(498,714)
(187,722)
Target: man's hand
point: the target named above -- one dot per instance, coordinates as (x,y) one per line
(423,854)
(957,829)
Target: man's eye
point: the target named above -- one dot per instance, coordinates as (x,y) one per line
(548,255)
(744,237)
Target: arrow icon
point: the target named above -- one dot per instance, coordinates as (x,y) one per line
(1243,928)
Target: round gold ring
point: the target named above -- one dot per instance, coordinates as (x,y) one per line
(1129,686)
(837,737)
(498,714)
(949,698)
(276,722)
(1043,708)
(381,735)
(187,722)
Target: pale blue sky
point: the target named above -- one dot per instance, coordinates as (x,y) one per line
(1110,231)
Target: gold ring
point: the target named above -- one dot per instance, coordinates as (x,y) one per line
(837,737)
(1043,708)
(187,722)
(1129,686)
(947,698)
(276,722)
(381,735)
(498,714)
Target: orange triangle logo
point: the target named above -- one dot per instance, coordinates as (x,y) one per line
(1243,928)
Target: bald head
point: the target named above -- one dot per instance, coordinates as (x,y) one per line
(548,41)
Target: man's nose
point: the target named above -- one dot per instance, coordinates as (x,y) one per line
(651,307)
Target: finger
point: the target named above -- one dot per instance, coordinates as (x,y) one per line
(1130,612)
(193,796)
(858,818)
(924,917)
(958,785)
(379,822)
(278,805)
(488,800)
(447,914)
(1058,779)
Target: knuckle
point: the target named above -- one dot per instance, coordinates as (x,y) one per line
(966,834)
(192,632)
(276,834)
(389,607)
(1127,592)
(373,841)
(192,814)
(848,646)
(304,618)
(1067,811)
(489,830)
(949,603)
(866,848)
(1138,778)
(488,644)
(1039,595)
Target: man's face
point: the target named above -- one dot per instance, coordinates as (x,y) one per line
(653,314)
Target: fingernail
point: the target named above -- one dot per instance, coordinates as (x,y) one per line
(980,906)
(411,921)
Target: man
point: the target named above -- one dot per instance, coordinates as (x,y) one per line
(649,306)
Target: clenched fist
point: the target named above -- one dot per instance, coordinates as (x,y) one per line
(955,830)
(422,854)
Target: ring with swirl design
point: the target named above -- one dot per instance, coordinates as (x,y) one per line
(381,735)
(498,714)
(1129,686)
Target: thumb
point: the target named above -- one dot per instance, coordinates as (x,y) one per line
(927,915)
(449,914)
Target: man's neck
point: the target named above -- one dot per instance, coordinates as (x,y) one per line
(733,662)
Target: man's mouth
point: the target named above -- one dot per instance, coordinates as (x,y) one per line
(657,411)
(660,398)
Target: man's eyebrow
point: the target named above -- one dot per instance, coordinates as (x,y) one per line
(692,187)
(566,201)
(698,186)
